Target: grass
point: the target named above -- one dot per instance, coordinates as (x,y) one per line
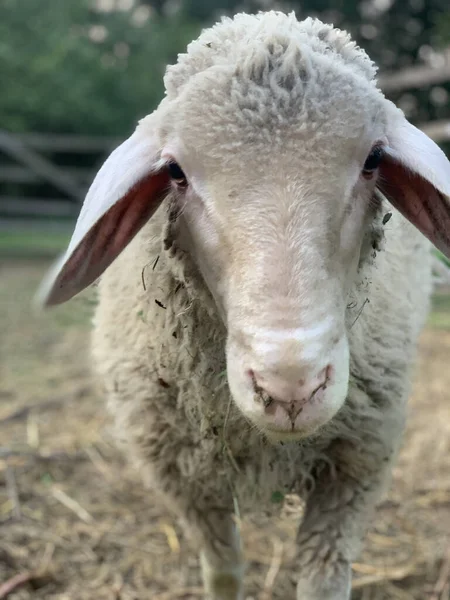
(32,243)
(439,320)
(440,313)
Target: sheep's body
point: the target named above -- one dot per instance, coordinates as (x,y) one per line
(163,370)
(159,346)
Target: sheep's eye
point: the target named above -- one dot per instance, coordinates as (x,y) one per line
(373,161)
(176,173)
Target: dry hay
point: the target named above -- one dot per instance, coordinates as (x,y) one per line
(76,524)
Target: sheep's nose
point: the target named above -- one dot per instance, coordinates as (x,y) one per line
(289,395)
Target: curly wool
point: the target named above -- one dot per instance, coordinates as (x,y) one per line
(268,38)
(260,78)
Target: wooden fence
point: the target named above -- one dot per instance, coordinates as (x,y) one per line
(51,163)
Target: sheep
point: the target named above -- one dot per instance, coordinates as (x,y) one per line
(263,240)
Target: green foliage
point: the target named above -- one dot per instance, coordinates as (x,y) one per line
(277,497)
(442,29)
(66,68)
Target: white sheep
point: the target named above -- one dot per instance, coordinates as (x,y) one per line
(272,258)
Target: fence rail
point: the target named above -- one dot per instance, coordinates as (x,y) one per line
(83,144)
(418,76)
(33,175)
(22,174)
(36,207)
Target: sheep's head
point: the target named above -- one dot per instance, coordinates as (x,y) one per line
(274,147)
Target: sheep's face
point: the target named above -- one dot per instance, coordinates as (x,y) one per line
(275,204)
(271,133)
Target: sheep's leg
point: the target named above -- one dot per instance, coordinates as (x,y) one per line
(337,514)
(221,555)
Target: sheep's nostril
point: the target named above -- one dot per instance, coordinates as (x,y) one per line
(262,395)
(258,389)
(291,395)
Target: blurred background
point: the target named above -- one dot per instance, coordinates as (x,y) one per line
(75,523)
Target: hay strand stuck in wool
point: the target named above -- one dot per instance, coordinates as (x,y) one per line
(72,505)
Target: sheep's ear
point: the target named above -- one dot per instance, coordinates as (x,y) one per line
(415,178)
(124,195)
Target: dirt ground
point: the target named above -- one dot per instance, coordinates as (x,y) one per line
(76,524)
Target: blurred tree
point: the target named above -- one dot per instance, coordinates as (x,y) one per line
(66,67)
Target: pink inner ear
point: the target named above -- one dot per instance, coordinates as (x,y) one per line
(108,237)
(418,200)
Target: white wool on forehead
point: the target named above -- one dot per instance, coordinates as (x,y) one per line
(255,42)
